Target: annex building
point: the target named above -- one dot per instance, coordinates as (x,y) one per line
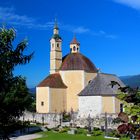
(75,83)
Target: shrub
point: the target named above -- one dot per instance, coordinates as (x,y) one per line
(116,120)
(96,129)
(123,116)
(66,117)
(113,133)
(134,118)
(131,128)
(81,131)
(64,129)
(138,134)
(123,128)
(55,129)
(48,129)
(97,133)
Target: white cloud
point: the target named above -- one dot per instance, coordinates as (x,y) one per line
(103,34)
(131,3)
(111,36)
(8,16)
(81,30)
(74,29)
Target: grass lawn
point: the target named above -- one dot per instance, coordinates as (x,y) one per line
(64,136)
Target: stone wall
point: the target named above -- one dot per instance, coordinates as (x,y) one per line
(98,121)
(55,119)
(51,119)
(90,105)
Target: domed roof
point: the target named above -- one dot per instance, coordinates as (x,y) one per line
(77,61)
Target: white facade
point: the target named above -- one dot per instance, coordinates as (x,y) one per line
(89,105)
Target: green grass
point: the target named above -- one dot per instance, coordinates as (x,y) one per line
(64,136)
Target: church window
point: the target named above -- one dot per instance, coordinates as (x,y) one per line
(58,45)
(70,49)
(77,49)
(74,48)
(42,103)
(53,45)
(89,81)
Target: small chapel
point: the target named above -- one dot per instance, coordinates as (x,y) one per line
(74,83)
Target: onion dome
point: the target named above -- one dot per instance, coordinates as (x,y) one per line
(77,61)
(56,37)
(56,31)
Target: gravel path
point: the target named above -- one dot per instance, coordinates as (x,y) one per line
(27,137)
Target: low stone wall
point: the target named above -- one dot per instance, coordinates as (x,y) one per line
(102,121)
(55,119)
(51,118)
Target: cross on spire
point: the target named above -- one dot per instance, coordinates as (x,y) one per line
(55,24)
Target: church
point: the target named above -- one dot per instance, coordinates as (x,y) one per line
(74,83)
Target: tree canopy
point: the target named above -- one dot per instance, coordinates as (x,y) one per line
(131,115)
(14,96)
(131,102)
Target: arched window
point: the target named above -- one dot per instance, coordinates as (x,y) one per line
(52,45)
(89,81)
(70,49)
(42,103)
(74,48)
(57,45)
(77,49)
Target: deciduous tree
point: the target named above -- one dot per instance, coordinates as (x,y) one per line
(14,96)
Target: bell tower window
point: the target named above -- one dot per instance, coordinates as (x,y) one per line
(55,52)
(52,45)
(75,45)
(74,48)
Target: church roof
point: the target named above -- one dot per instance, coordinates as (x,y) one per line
(53,81)
(74,41)
(101,86)
(77,61)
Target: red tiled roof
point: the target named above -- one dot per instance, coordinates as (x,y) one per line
(77,61)
(74,41)
(53,81)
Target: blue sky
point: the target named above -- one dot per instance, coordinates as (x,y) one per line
(108,31)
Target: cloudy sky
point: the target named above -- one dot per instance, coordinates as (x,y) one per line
(108,31)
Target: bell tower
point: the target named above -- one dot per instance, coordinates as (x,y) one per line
(55,50)
(74,46)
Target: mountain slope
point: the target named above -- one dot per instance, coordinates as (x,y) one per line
(132,81)
(32,90)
